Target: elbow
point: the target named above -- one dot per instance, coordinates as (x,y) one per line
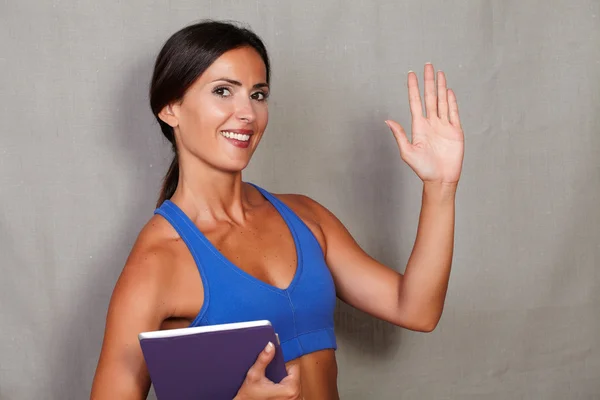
(424,324)
(427,326)
(419,317)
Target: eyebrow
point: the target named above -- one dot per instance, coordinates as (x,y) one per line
(238,83)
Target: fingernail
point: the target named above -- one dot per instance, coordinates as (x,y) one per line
(269,347)
(428,62)
(388,124)
(410,70)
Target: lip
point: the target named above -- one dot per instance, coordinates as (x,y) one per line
(238,143)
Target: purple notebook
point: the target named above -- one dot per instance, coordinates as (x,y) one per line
(208,362)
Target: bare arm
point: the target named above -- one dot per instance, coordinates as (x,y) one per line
(136,306)
(425,282)
(414,300)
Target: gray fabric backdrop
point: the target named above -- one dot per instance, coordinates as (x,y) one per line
(81,160)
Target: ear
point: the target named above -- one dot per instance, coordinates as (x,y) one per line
(168,116)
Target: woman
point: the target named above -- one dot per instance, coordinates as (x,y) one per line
(221,250)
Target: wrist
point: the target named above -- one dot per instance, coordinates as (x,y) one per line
(440,191)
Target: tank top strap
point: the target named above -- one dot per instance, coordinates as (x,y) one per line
(194,242)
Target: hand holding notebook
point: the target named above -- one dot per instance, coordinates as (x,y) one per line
(258,386)
(215,362)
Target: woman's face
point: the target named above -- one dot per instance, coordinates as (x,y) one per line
(222,116)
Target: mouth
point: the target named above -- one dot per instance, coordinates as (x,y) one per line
(238,137)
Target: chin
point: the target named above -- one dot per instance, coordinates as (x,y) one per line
(234,166)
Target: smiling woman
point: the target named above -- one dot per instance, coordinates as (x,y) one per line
(220,250)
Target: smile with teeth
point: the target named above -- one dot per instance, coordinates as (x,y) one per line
(237,136)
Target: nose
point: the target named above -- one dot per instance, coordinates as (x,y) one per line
(244,110)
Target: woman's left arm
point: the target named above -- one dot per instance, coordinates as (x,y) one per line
(416,298)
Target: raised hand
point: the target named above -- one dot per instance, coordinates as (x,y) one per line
(436,150)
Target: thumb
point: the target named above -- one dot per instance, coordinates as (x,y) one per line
(400,136)
(257,371)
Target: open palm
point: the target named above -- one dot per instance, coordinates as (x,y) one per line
(437,147)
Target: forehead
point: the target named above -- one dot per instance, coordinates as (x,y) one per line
(243,64)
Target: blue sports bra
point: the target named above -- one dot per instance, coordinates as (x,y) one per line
(301,314)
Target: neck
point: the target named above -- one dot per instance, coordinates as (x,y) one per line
(208,194)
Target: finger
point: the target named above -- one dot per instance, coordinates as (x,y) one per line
(430,94)
(453,107)
(257,371)
(414,97)
(442,93)
(400,136)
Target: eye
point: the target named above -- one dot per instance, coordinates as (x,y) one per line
(222,91)
(260,96)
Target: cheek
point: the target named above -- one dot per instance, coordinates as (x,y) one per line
(206,117)
(216,113)
(263,117)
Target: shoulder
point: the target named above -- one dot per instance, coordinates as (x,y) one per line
(308,207)
(148,271)
(317,217)
(154,246)
(156,242)
(301,203)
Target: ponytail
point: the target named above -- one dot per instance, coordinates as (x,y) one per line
(170,180)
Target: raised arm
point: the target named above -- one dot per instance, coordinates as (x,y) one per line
(414,300)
